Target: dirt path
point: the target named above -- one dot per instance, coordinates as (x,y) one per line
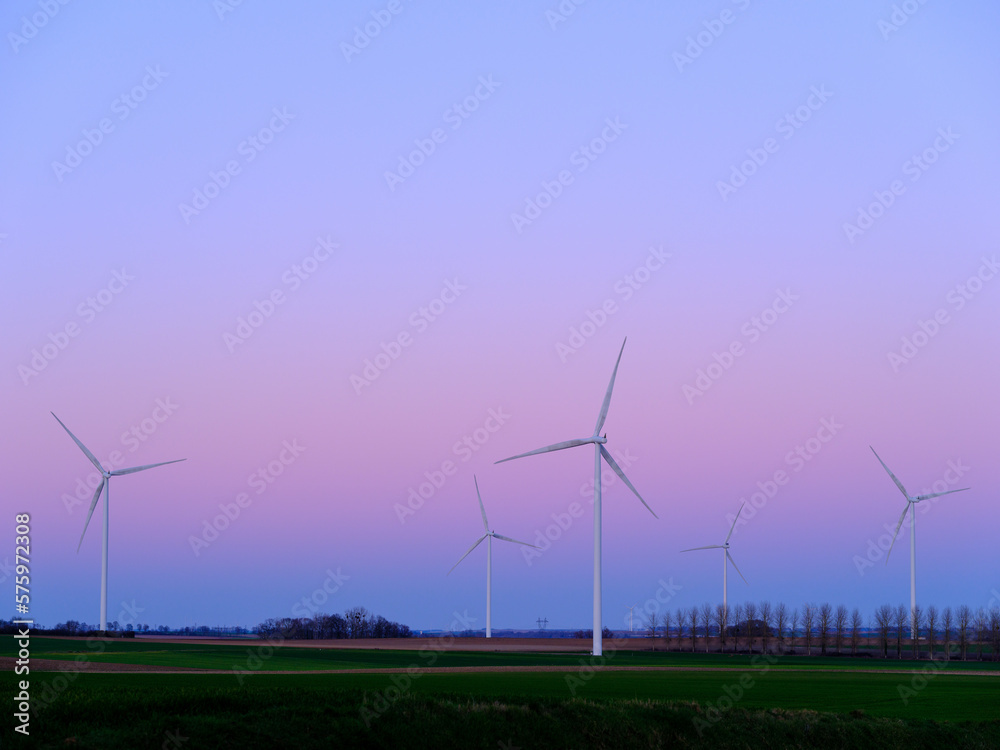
(54,665)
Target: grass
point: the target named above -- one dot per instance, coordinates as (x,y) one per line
(246,656)
(718,708)
(613,709)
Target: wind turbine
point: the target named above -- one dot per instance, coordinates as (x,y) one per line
(489,558)
(106,475)
(911,505)
(726,559)
(599,452)
(630,616)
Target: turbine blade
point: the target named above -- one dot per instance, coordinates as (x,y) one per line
(734,522)
(467,553)
(730,558)
(93,504)
(901,517)
(83,447)
(134,469)
(607,396)
(508,539)
(548,449)
(711,546)
(898,483)
(621,474)
(486,524)
(939,494)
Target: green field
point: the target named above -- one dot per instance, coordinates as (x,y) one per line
(750,707)
(254,657)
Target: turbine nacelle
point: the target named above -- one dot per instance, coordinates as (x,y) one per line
(910,501)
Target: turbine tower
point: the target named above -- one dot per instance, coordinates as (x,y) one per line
(489,558)
(600,452)
(105,484)
(727,558)
(911,505)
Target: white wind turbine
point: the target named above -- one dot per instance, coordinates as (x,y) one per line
(599,452)
(489,558)
(106,475)
(728,558)
(911,505)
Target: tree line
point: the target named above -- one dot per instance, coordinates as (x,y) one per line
(829,630)
(356,622)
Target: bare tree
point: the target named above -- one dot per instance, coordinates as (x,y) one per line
(883,620)
(721,623)
(839,626)
(947,624)
(824,618)
(916,624)
(750,610)
(681,619)
(665,621)
(932,623)
(794,626)
(995,632)
(358,622)
(706,622)
(767,618)
(808,622)
(900,617)
(693,618)
(651,622)
(856,623)
(780,624)
(981,623)
(964,619)
(738,626)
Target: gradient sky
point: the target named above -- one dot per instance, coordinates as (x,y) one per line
(840,104)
